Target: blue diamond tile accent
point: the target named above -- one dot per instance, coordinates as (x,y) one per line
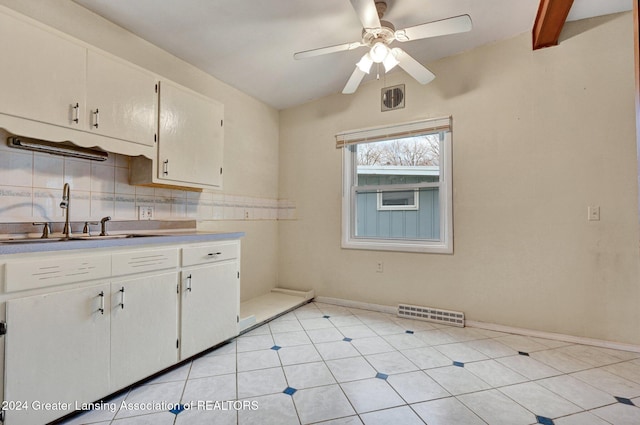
(276,347)
(544,421)
(325,316)
(624,401)
(178,409)
(408,332)
(381,375)
(289,391)
(459,364)
(347,339)
(522,353)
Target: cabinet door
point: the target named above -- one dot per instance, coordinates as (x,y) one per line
(190,139)
(57,350)
(144,327)
(122,100)
(42,74)
(210,299)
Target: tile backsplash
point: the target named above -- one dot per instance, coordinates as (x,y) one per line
(31,190)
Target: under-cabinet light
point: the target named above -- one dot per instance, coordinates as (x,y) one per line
(56,148)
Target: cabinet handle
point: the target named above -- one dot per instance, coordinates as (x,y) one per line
(165,167)
(101,295)
(76,113)
(213,254)
(96,120)
(189,283)
(122,297)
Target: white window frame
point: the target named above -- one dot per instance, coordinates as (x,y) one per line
(443,245)
(408,207)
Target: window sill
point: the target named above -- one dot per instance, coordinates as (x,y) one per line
(399,246)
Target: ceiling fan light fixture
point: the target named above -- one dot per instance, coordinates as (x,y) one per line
(390,61)
(365,63)
(378,52)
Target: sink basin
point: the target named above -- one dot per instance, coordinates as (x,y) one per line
(80,237)
(106,237)
(33,240)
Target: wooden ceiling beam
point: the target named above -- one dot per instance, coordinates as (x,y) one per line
(550,19)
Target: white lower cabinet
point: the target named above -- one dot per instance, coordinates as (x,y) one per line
(144,327)
(209,306)
(57,351)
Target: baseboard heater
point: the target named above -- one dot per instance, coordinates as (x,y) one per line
(429,314)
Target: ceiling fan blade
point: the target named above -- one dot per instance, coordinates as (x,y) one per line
(326,50)
(367,13)
(412,66)
(447,26)
(354,81)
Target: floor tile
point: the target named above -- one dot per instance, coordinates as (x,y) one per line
(372,345)
(161,418)
(521,343)
(298,354)
(629,370)
(457,380)
(446,411)
(497,409)
(344,321)
(540,401)
(349,420)
(583,418)
(371,394)
(427,357)
(274,409)
(492,348)
(285,326)
(219,388)
(356,331)
(288,339)
(494,373)
(436,337)
(204,415)
(619,414)
(258,342)
(465,334)
(416,386)
(318,323)
(336,350)
(99,416)
(590,355)
(576,391)
(606,381)
(560,360)
(396,415)
(622,355)
(228,348)
(460,352)
(321,404)
(150,397)
(325,335)
(308,375)
(260,330)
(404,341)
(528,367)
(386,328)
(213,365)
(260,359)
(414,325)
(351,369)
(261,382)
(389,363)
(179,374)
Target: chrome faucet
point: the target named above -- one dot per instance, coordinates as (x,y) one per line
(103,226)
(65,204)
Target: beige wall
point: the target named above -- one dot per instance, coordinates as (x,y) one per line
(538,137)
(251,127)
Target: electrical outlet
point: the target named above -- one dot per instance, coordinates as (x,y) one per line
(145,213)
(593,213)
(379,267)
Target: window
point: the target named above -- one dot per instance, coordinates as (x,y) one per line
(397,187)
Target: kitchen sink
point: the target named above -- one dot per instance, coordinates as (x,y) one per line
(32,240)
(80,237)
(106,237)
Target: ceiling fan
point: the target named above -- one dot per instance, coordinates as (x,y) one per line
(377,35)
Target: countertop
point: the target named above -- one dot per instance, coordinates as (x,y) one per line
(146,237)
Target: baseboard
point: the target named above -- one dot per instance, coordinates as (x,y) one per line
(492,326)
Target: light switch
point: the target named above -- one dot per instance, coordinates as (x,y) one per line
(593,213)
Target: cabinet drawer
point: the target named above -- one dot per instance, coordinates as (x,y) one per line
(22,275)
(144,261)
(209,253)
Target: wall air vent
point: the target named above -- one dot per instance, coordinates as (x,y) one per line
(445,317)
(62,148)
(392,98)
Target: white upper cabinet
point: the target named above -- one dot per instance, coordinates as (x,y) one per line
(190,137)
(42,76)
(121,100)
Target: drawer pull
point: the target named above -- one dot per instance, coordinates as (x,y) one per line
(101,295)
(122,298)
(189,283)
(213,254)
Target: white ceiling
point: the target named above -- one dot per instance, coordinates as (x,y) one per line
(250,44)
